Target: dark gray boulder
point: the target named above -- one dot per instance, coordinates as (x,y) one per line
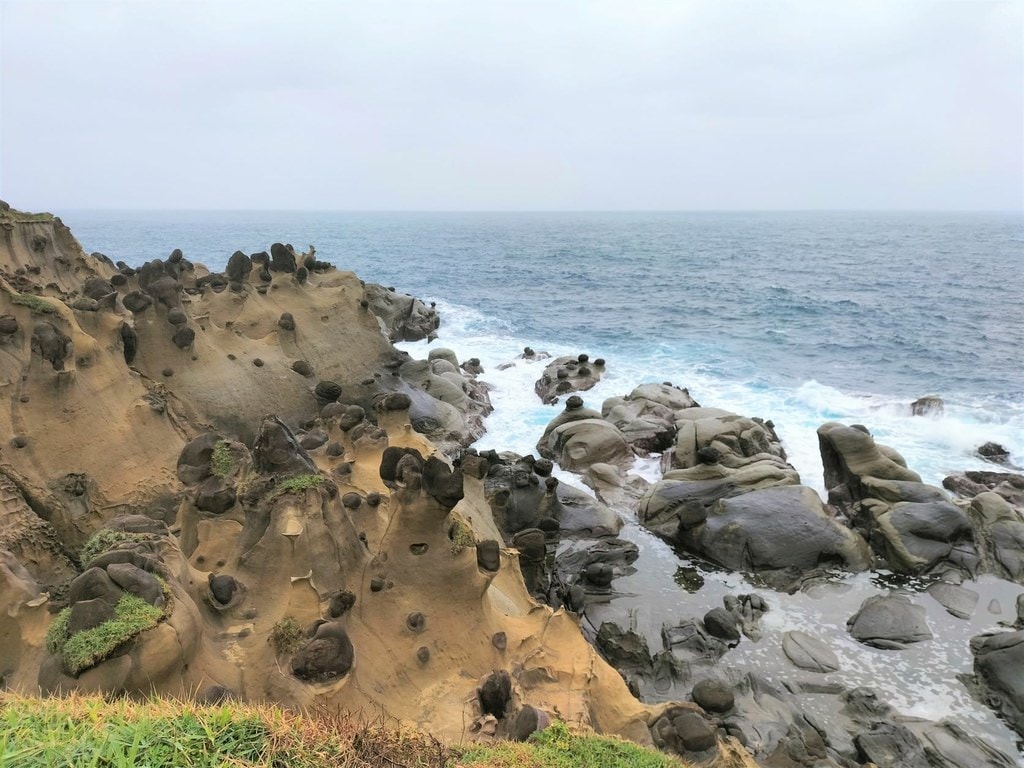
(890,622)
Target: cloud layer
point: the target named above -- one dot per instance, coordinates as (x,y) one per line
(512,105)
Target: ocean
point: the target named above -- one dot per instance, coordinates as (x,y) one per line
(800,318)
(797,317)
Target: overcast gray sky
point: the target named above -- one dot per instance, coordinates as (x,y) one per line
(468,105)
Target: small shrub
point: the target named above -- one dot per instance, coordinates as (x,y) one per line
(37,305)
(132,615)
(298,484)
(222,463)
(286,636)
(107,539)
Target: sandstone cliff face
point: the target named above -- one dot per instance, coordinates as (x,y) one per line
(246,441)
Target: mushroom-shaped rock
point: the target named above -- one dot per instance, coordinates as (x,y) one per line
(137,302)
(276,451)
(327,391)
(495,693)
(194,459)
(398,464)
(97,288)
(215,496)
(223,587)
(8,325)
(129,342)
(488,555)
(51,344)
(327,656)
(527,721)
(166,290)
(282,258)
(183,337)
(442,482)
(238,268)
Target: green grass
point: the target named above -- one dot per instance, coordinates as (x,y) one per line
(222,463)
(298,484)
(558,747)
(57,633)
(37,305)
(132,615)
(123,733)
(105,540)
(91,732)
(286,636)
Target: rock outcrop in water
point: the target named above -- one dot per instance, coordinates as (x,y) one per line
(230,484)
(729,498)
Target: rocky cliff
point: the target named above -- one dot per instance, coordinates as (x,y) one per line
(232,484)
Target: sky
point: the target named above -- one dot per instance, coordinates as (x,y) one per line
(472,105)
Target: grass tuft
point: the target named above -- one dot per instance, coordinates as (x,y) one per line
(105,540)
(222,463)
(132,615)
(57,633)
(287,636)
(298,484)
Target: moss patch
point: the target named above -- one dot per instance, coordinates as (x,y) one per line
(461,536)
(37,305)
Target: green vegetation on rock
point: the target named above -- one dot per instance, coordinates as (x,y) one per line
(37,305)
(57,634)
(222,463)
(107,539)
(132,615)
(299,483)
(461,536)
(286,635)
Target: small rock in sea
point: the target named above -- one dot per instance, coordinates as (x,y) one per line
(929,405)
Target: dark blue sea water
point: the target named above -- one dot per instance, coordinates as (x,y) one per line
(800,317)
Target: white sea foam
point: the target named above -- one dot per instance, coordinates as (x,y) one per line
(932,446)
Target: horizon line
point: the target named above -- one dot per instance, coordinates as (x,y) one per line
(106,209)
